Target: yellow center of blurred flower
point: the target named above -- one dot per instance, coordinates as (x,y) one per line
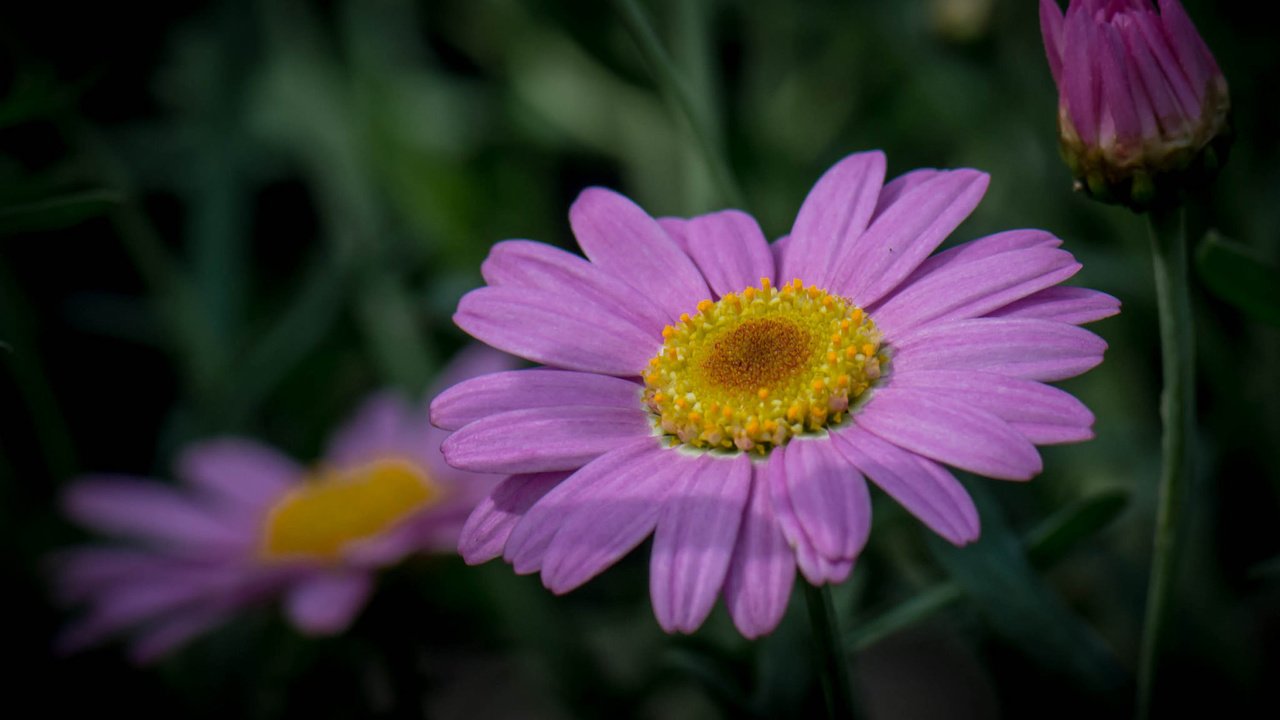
(334,508)
(761,366)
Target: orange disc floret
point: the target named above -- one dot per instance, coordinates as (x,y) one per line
(758,367)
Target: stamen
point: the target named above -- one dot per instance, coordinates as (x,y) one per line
(762,366)
(336,508)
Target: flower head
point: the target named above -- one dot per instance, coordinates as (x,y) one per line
(1142,108)
(733,397)
(249,524)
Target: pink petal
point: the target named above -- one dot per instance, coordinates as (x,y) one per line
(81,573)
(543,439)
(1118,87)
(485,534)
(829,497)
(327,602)
(533,533)
(730,250)
(1157,41)
(1051,30)
(950,432)
(623,240)
(533,265)
(376,428)
(972,289)
(901,185)
(501,392)
(922,486)
(1032,349)
(437,536)
(819,569)
(778,249)
(1193,54)
(1156,86)
(980,249)
(149,511)
(163,638)
(434,529)
(758,584)
(900,239)
(1073,305)
(463,489)
(833,216)
(473,361)
(240,471)
(611,516)
(676,229)
(1043,414)
(557,329)
(694,541)
(162,591)
(816,568)
(1081,85)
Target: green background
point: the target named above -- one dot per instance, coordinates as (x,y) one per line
(239,218)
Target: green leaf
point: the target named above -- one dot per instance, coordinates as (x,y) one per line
(919,607)
(1236,274)
(1053,538)
(996,574)
(295,332)
(1046,544)
(1266,570)
(53,213)
(36,93)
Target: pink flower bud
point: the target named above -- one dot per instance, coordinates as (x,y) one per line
(1141,100)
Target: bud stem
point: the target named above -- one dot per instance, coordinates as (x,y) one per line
(1177,411)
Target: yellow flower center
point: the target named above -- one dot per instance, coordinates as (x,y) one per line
(759,367)
(334,508)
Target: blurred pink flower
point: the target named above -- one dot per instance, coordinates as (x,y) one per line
(733,397)
(249,524)
(1139,93)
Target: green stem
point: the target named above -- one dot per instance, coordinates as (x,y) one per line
(1177,411)
(52,432)
(669,78)
(831,655)
(295,332)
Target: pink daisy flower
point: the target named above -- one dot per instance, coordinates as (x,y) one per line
(733,398)
(249,524)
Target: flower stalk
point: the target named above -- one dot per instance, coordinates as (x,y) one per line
(1177,411)
(831,657)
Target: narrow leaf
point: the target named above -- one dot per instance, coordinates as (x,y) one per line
(1020,607)
(1236,274)
(1046,544)
(1055,536)
(53,213)
(1266,570)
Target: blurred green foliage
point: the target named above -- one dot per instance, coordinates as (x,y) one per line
(238,217)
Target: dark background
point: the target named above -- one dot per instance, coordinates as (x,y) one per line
(236,217)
